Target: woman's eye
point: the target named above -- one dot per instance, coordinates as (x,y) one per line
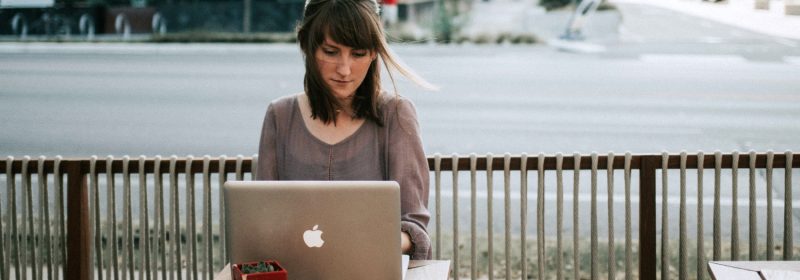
(329,52)
(360,54)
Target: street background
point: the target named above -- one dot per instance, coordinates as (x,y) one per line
(651,76)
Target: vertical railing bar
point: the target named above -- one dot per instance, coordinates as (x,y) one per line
(111,222)
(78,261)
(612,259)
(48,231)
(540,238)
(207,217)
(628,237)
(223,176)
(437,163)
(788,240)
(160,262)
(239,171)
(12,217)
(701,257)
(455,216)
(683,272)
(490,222)
(238,174)
(144,223)
(559,215)
(127,217)
(43,243)
(191,230)
(523,176)
(5,235)
(753,229)
(11,220)
(507,210)
(127,257)
(38,235)
(175,235)
(593,215)
(94,220)
(717,218)
(27,218)
(254,166)
(664,217)
(575,217)
(473,166)
(4,266)
(770,233)
(735,207)
(62,237)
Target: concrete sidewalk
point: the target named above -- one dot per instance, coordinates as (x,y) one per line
(739,13)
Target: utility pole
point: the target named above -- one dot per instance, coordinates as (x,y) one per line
(138,3)
(246,13)
(443,26)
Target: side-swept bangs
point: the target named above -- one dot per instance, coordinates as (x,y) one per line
(358,30)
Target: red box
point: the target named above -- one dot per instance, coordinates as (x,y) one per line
(279,273)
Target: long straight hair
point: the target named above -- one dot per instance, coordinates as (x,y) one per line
(356,24)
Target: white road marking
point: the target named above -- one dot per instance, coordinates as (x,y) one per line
(576,47)
(786,42)
(792,59)
(691,58)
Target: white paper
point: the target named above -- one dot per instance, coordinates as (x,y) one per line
(769,274)
(406,258)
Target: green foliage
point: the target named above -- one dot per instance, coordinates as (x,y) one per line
(259,267)
(555,4)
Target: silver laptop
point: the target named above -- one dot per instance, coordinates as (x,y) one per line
(316,229)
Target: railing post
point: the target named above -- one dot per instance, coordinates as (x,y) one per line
(78,257)
(647,217)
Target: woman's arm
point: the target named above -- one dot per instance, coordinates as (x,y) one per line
(267,168)
(405,243)
(409,167)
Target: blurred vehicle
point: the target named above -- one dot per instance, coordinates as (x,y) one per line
(65,18)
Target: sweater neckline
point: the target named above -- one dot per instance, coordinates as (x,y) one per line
(298,114)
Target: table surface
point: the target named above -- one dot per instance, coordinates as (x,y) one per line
(745,270)
(417,270)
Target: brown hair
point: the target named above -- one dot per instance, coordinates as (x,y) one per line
(356,24)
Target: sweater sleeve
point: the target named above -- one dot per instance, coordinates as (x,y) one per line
(267,168)
(408,166)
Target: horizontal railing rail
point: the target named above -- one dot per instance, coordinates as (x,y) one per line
(60,219)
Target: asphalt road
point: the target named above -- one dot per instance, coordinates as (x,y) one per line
(492,99)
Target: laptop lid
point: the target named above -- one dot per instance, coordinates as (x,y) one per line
(316,229)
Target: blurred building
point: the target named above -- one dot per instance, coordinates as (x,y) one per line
(65,17)
(89,17)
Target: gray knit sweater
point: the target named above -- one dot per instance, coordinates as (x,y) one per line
(288,151)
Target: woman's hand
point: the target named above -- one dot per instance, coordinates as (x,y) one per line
(405,242)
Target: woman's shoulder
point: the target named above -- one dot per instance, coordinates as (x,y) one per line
(283,104)
(391,102)
(399,112)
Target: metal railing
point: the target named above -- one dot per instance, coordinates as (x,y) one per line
(165,240)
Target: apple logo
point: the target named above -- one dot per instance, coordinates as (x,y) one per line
(313,237)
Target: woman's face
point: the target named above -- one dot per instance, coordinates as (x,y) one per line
(343,68)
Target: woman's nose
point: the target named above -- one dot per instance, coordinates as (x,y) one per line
(343,67)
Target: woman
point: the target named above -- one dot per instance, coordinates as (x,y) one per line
(343,127)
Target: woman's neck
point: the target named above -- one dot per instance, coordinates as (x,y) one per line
(345,107)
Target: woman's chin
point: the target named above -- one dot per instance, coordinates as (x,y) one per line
(343,96)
